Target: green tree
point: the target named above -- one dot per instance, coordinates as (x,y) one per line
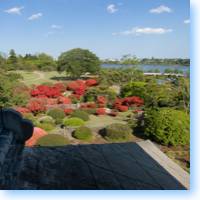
(8,82)
(134,89)
(45,62)
(78,61)
(12,59)
(167,126)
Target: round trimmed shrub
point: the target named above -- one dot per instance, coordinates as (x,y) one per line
(118,132)
(52,140)
(46,119)
(46,126)
(168,126)
(83,133)
(80,114)
(57,114)
(73,122)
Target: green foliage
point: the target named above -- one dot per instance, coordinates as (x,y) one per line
(165,61)
(80,114)
(78,61)
(52,140)
(134,89)
(73,122)
(159,95)
(168,126)
(45,126)
(118,132)
(90,111)
(20,99)
(182,94)
(46,119)
(45,62)
(8,82)
(45,122)
(83,133)
(30,117)
(57,114)
(120,76)
(129,60)
(92,93)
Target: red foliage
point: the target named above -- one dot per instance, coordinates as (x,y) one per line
(122,108)
(37,105)
(51,101)
(78,87)
(64,100)
(46,91)
(91,82)
(101,111)
(88,105)
(60,86)
(101,100)
(22,110)
(133,101)
(128,101)
(68,111)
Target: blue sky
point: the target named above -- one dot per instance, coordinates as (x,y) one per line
(109,28)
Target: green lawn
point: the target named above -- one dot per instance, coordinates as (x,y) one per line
(102,121)
(39,77)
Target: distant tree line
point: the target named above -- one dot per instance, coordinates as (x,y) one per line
(133,60)
(74,62)
(28,62)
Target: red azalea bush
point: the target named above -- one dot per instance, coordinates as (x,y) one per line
(101,100)
(88,105)
(91,82)
(78,87)
(68,111)
(64,100)
(101,111)
(122,108)
(48,91)
(22,110)
(129,101)
(60,86)
(51,101)
(123,104)
(37,105)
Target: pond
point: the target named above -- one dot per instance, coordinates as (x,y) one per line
(152,68)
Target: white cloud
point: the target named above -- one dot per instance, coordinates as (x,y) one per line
(187,21)
(35,16)
(161,9)
(112,8)
(14,10)
(146,30)
(54,26)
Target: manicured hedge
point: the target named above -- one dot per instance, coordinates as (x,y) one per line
(57,114)
(80,114)
(52,140)
(83,133)
(118,132)
(168,126)
(46,126)
(73,122)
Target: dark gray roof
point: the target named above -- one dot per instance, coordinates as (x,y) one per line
(108,166)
